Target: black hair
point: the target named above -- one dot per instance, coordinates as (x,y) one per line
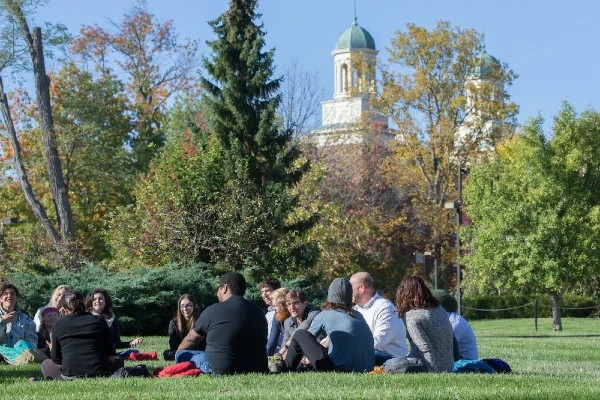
(7,285)
(270,282)
(235,281)
(73,301)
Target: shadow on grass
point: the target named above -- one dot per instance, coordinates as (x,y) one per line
(17,374)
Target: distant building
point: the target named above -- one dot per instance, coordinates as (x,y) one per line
(353,86)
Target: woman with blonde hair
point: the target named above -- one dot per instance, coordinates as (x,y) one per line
(55,301)
(185,317)
(278,299)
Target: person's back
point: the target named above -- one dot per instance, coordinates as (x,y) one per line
(236,336)
(350,339)
(81,343)
(387,328)
(431,338)
(467,343)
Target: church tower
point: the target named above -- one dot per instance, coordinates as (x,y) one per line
(485,72)
(353,85)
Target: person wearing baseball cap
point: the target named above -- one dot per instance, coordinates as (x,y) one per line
(349,343)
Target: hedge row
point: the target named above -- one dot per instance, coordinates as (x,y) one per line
(145,299)
(505,306)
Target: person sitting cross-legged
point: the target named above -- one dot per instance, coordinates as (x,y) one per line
(235,331)
(81,343)
(301,316)
(186,315)
(349,343)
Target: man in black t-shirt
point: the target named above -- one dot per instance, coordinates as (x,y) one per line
(235,330)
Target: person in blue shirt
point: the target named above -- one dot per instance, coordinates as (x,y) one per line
(349,343)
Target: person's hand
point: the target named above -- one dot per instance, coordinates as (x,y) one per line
(8,317)
(325,342)
(136,341)
(283,353)
(304,361)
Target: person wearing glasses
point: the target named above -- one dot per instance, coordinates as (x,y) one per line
(185,317)
(301,316)
(234,329)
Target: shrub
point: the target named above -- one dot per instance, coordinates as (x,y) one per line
(145,299)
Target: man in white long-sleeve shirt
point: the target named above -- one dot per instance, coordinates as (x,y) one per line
(388,330)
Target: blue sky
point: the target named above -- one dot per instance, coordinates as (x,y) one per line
(550,44)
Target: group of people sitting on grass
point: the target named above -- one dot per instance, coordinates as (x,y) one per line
(353,331)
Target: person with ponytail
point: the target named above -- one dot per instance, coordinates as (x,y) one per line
(81,344)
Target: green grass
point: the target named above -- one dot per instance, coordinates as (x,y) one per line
(546,365)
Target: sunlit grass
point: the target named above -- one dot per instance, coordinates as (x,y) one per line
(546,364)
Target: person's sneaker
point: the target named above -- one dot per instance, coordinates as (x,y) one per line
(32,379)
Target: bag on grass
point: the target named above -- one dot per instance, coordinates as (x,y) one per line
(472,366)
(132,372)
(498,364)
(403,365)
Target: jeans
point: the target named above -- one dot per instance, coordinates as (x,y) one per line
(196,357)
(305,344)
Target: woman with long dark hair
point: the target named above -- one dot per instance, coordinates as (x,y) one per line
(81,343)
(186,315)
(99,302)
(428,329)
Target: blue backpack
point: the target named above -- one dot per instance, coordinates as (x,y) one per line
(472,366)
(498,364)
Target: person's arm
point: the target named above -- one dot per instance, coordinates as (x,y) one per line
(174,338)
(29,332)
(55,349)
(385,328)
(37,319)
(116,337)
(191,340)
(309,319)
(274,342)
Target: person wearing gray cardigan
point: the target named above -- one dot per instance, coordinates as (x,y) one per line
(429,331)
(302,315)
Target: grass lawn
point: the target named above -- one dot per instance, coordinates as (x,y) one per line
(546,365)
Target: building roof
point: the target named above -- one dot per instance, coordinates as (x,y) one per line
(484,66)
(355,37)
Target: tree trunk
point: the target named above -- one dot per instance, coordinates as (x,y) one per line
(42,89)
(555,300)
(38,209)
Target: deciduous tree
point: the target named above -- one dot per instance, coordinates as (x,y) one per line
(535,208)
(444,118)
(158,65)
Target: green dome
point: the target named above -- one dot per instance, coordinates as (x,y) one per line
(355,37)
(484,66)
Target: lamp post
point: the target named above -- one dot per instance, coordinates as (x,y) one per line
(435,268)
(458,218)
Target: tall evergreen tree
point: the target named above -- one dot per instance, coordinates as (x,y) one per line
(262,163)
